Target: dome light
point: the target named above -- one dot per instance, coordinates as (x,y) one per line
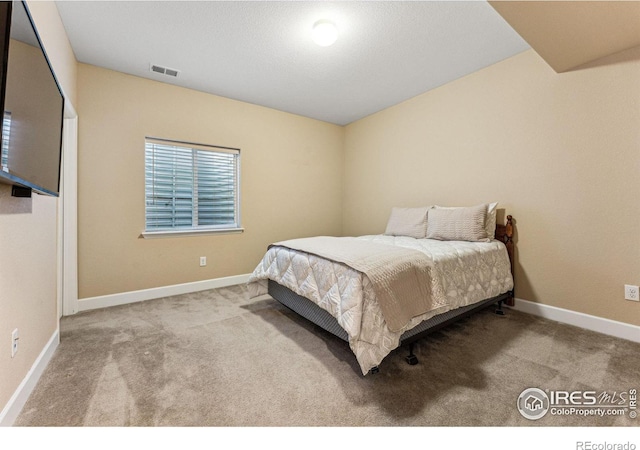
(324,33)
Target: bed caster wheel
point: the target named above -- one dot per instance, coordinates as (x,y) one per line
(499,312)
(374,370)
(412,360)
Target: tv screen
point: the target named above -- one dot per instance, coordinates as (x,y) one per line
(33,106)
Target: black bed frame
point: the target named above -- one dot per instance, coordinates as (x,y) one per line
(309,310)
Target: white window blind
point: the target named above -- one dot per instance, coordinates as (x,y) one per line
(191,186)
(6,133)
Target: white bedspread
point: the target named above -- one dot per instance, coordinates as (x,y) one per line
(464,273)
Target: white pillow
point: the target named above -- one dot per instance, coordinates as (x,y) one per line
(490,222)
(410,222)
(458,224)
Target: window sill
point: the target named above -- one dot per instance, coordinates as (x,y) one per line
(191,232)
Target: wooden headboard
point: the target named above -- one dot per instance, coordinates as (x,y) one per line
(504,233)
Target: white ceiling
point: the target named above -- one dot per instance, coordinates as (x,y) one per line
(261,52)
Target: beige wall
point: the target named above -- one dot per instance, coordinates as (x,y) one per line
(560,152)
(28,240)
(56,43)
(28,283)
(291,181)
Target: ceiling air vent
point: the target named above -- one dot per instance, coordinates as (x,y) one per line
(164,70)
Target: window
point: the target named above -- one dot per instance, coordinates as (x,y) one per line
(6,132)
(190,188)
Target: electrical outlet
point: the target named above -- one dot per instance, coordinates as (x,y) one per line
(631,293)
(203,261)
(14,342)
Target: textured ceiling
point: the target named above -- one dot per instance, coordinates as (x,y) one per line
(261,52)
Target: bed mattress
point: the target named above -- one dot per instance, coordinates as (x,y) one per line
(463,273)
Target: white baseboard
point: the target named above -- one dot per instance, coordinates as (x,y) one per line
(605,326)
(123,298)
(17,401)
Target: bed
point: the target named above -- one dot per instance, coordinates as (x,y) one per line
(431,267)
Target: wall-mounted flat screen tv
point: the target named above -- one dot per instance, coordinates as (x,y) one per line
(33,105)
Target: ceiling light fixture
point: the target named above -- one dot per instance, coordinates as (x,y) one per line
(324,33)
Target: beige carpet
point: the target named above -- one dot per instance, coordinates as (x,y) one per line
(215,358)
